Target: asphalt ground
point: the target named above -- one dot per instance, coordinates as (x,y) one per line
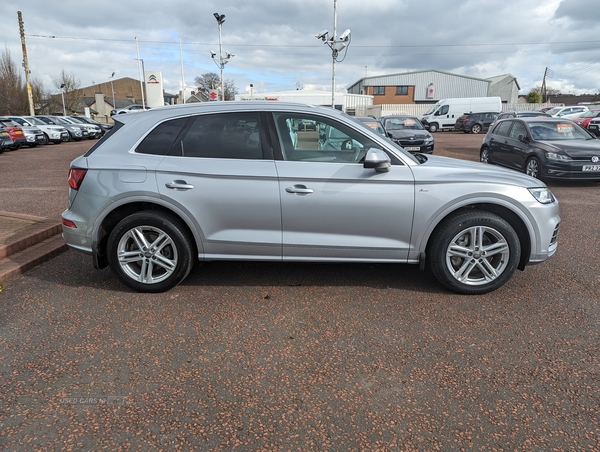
(259,356)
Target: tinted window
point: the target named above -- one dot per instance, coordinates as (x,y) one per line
(518,129)
(160,140)
(225,135)
(502,128)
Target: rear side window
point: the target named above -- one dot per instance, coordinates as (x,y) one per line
(224,135)
(160,140)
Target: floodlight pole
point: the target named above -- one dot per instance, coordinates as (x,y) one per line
(222,61)
(334,54)
(112,89)
(62,93)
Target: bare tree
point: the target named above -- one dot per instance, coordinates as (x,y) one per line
(13,92)
(68,83)
(211,80)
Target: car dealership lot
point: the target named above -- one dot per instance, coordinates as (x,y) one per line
(299,356)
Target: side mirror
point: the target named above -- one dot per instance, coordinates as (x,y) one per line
(390,135)
(523,138)
(378,160)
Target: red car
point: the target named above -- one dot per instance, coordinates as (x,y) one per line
(15,132)
(584,119)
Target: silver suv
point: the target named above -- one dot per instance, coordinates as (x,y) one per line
(245,181)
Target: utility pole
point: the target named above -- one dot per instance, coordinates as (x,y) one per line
(543,93)
(26,64)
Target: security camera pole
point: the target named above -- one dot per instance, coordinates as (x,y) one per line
(336,45)
(222,61)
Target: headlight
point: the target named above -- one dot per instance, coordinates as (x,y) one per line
(557,156)
(428,141)
(542,195)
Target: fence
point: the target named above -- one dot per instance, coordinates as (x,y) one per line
(420,109)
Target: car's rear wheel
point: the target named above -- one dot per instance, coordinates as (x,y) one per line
(484,156)
(150,251)
(433,127)
(476,128)
(474,252)
(533,168)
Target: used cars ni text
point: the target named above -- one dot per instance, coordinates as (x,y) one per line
(236,181)
(549,148)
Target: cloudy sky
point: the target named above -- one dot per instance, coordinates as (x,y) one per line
(276,49)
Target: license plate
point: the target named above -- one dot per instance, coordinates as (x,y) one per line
(39,137)
(591,167)
(592,126)
(412,148)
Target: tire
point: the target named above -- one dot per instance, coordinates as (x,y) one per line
(433,127)
(46,139)
(484,155)
(476,128)
(533,168)
(474,252)
(133,264)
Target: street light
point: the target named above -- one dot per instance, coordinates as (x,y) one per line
(112,89)
(251,86)
(222,61)
(62,93)
(336,45)
(144,80)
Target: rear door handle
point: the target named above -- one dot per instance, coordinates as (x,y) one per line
(300,189)
(179,185)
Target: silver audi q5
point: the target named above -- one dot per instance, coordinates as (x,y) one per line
(246,181)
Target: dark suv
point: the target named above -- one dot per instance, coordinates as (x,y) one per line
(475,122)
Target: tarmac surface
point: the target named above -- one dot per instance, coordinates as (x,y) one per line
(259,356)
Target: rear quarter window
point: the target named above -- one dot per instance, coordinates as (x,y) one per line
(161,138)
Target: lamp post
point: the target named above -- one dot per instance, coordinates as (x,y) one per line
(251,86)
(222,61)
(112,89)
(336,45)
(62,93)
(144,80)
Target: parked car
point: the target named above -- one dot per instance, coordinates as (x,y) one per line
(76,132)
(594,126)
(93,130)
(372,123)
(104,127)
(521,114)
(567,112)
(33,135)
(475,122)
(15,131)
(129,109)
(544,109)
(546,148)
(5,140)
(52,133)
(585,119)
(408,132)
(177,184)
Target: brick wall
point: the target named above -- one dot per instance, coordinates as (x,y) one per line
(390,96)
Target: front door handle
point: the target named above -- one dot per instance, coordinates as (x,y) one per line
(179,185)
(300,189)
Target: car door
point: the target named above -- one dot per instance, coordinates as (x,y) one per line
(498,142)
(334,209)
(217,173)
(516,147)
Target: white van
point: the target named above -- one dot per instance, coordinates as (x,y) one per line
(445,112)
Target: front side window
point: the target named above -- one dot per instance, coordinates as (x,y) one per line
(330,141)
(503,128)
(518,129)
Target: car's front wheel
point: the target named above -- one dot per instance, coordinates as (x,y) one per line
(533,168)
(474,252)
(433,127)
(150,251)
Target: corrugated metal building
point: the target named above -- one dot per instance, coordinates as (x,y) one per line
(423,87)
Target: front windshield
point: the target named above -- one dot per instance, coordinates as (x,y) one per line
(554,131)
(590,114)
(431,110)
(62,120)
(553,111)
(403,124)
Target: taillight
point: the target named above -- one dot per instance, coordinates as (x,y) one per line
(75,178)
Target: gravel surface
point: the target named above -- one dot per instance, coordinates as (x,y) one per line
(258,356)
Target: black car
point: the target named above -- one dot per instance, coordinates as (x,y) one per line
(545,148)
(408,132)
(475,122)
(373,123)
(594,126)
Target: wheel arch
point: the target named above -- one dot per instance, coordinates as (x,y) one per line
(112,218)
(503,212)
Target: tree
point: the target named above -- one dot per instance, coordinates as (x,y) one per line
(211,80)
(534,97)
(68,82)
(13,92)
